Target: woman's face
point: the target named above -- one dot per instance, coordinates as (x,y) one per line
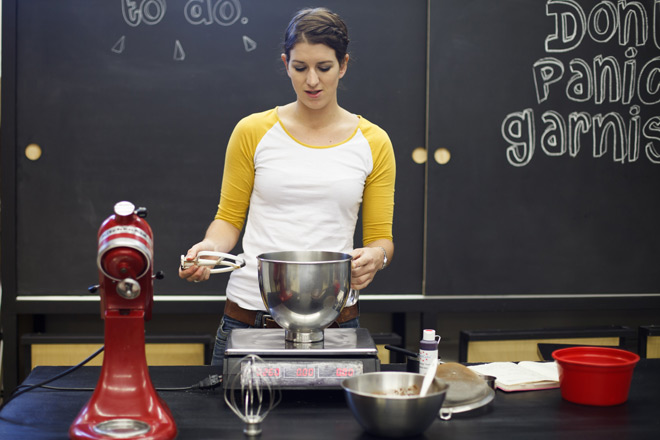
(315,73)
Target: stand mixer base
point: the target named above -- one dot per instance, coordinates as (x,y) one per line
(122,428)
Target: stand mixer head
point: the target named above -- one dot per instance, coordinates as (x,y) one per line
(124,403)
(125,260)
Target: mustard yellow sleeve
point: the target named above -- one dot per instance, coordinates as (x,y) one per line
(238,175)
(378,200)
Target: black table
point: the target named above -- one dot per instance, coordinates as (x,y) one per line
(47,414)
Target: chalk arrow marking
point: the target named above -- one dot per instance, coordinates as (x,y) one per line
(119,45)
(249,44)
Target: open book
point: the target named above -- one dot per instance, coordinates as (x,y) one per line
(521,376)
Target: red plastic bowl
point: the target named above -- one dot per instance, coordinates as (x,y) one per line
(597,376)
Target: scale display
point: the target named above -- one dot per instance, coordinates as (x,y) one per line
(309,373)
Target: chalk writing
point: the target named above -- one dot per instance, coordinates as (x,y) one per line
(603,80)
(222,12)
(196,12)
(149,12)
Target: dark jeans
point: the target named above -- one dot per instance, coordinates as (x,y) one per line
(228,324)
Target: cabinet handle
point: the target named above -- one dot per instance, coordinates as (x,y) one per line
(420,155)
(442,156)
(33,152)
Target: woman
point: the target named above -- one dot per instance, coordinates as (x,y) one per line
(303,169)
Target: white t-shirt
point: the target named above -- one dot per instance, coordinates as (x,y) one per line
(302,197)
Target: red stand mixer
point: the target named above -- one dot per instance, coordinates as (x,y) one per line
(124,403)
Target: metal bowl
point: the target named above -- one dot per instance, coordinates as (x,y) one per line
(304,291)
(379,403)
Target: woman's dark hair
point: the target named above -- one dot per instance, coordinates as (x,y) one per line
(317,26)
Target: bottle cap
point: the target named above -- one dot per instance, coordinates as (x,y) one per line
(428,335)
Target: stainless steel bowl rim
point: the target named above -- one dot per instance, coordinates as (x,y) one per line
(278,257)
(439,381)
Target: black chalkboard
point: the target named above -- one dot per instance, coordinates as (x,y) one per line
(135,100)
(577,213)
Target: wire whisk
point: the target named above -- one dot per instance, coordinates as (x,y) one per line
(250,394)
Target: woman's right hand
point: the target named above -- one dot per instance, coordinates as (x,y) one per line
(221,236)
(195,273)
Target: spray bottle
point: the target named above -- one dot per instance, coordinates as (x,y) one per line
(428,349)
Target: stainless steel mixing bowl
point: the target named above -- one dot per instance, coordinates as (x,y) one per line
(388,404)
(304,291)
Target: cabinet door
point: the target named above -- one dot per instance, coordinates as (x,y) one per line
(135,100)
(549,111)
(387,85)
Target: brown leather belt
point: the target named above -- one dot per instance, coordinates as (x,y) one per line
(249,317)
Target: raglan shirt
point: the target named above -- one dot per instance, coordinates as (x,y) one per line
(302,197)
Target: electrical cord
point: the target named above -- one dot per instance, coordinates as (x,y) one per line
(18,392)
(210,382)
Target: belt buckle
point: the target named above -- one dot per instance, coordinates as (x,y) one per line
(264,317)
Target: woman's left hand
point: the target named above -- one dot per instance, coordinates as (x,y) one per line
(366,262)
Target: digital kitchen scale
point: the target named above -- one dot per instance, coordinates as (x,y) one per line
(343,353)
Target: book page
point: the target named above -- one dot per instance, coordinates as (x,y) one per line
(510,373)
(547,369)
